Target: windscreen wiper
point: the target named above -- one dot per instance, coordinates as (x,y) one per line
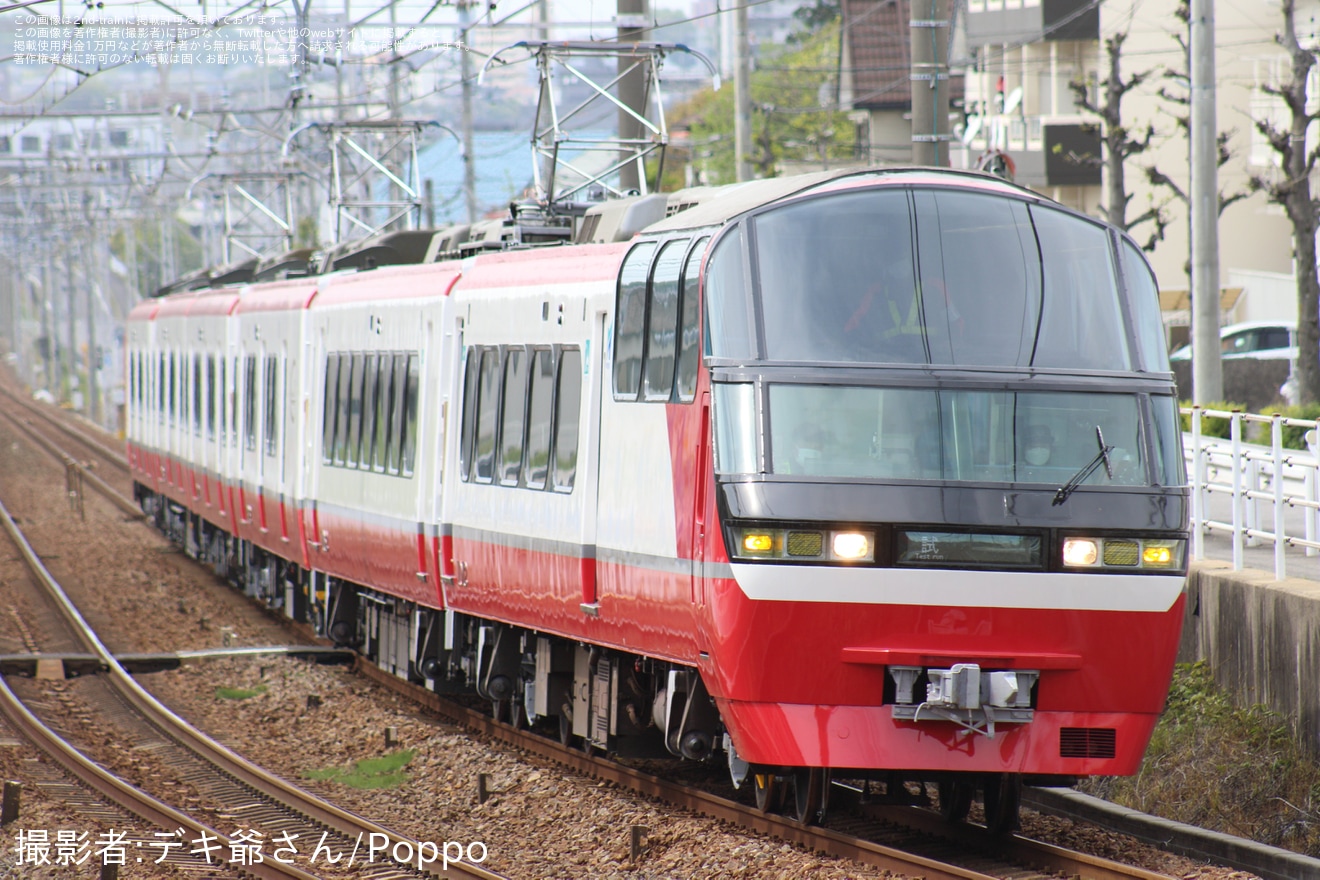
(1102,456)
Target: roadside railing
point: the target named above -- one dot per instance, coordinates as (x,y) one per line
(1252,492)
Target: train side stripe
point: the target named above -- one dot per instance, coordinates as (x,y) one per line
(1055,591)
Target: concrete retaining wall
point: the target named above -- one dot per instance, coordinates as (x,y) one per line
(1261,637)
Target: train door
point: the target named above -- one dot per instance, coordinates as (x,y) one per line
(700,497)
(594,359)
(317,430)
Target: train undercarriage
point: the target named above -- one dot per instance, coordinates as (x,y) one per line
(586,696)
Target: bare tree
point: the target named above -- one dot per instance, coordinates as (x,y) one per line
(1183,119)
(1291,189)
(1120,143)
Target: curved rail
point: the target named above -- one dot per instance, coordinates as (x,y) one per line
(300,801)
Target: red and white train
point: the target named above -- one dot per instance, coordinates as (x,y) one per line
(856,474)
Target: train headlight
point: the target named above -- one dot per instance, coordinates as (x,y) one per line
(802,544)
(1117,554)
(1080,551)
(853,546)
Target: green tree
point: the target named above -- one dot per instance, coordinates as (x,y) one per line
(795,115)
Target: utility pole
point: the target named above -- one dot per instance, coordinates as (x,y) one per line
(394,63)
(929,80)
(1207,366)
(93,407)
(632,86)
(742,93)
(465,73)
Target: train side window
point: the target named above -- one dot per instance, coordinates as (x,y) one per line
(231,402)
(470,374)
(369,380)
(396,430)
(662,326)
(483,459)
(513,419)
(250,402)
(197,394)
(630,321)
(272,397)
(568,407)
(212,402)
(384,411)
(159,396)
(328,407)
(174,386)
(341,407)
(689,325)
(354,412)
(538,418)
(411,404)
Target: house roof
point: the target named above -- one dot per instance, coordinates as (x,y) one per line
(878,38)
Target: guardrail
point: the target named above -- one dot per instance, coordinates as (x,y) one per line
(1262,487)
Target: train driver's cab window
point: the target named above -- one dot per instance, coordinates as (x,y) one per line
(857,432)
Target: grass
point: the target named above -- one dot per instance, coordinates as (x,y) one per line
(387,771)
(1235,770)
(224,693)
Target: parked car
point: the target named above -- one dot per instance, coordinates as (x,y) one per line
(1253,339)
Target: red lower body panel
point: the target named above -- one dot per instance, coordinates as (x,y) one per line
(796,734)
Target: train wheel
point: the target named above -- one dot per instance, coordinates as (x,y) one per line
(810,785)
(1003,799)
(956,800)
(566,737)
(766,789)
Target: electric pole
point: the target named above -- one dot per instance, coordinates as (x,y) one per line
(632,86)
(929,81)
(1207,367)
(742,93)
(465,73)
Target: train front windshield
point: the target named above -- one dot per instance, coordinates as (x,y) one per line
(939,336)
(929,276)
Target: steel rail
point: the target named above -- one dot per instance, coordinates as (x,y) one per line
(103,782)
(301,801)
(1019,850)
(110,492)
(115,456)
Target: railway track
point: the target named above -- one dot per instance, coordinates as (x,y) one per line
(270,808)
(904,840)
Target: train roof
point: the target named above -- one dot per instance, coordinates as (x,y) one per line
(220,301)
(386,283)
(584,263)
(277,296)
(715,206)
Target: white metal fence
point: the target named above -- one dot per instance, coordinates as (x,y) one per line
(1251,492)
